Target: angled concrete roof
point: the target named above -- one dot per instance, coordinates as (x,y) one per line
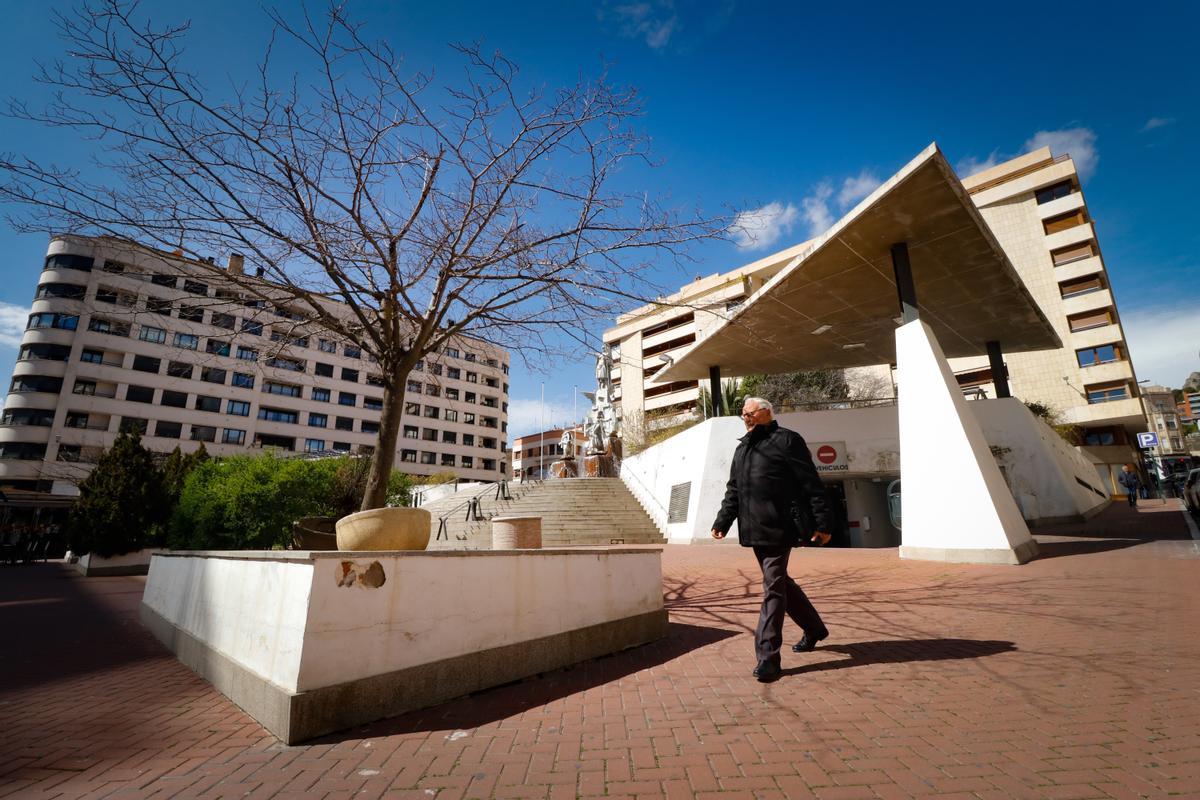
(967,289)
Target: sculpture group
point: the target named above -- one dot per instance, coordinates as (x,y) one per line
(602,453)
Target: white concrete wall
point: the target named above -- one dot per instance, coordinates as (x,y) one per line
(253,610)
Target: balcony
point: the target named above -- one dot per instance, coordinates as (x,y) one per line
(1077,269)
(1091,301)
(1080,233)
(1061,206)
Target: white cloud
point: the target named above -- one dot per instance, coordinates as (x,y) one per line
(971,165)
(527,415)
(1079,143)
(12,323)
(816,209)
(1156,122)
(762,227)
(1162,343)
(653,22)
(855,189)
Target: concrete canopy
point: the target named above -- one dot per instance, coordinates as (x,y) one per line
(967,290)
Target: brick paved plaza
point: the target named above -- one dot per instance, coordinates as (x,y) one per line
(1075,676)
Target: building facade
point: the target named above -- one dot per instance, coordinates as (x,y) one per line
(122,336)
(1162,414)
(533,454)
(1034,205)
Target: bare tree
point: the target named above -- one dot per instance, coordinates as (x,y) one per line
(429,210)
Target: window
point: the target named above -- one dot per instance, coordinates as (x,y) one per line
(1090,319)
(450,415)
(237,408)
(468,462)
(489,402)
(452,394)
(347,399)
(65,291)
(375,380)
(1075,252)
(213,375)
(23,451)
(326,346)
(489,464)
(92,356)
(320,395)
(82,387)
(206,403)
(469,356)
(419,366)
(251,327)
(428,458)
(435,369)
(187,341)
(1107,392)
(164,280)
(204,433)
(139,394)
(472,377)
(281,442)
(178,369)
(290,364)
(432,391)
(1103,354)
(413,386)
(468,419)
(173,399)
(233,436)
(317,420)
(226,321)
(350,351)
(1064,222)
(470,397)
(216,347)
(41,418)
(157,305)
(491,362)
(134,425)
(101,325)
(447,459)
(431,412)
(487,422)
(191,313)
(341,447)
(147,364)
(314,445)
(491,383)
(412,408)
(168,430)
(449,437)
(196,287)
(1078,286)
(453,372)
(323,370)
(349,375)
(429,435)
(469,439)
(490,444)
(344,424)
(278,415)
(408,456)
(452,352)
(284,389)
(1053,192)
(368,427)
(410,432)
(44,352)
(373,403)
(254,303)
(243,380)
(68,261)
(247,353)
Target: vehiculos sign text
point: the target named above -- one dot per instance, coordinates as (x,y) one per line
(829,456)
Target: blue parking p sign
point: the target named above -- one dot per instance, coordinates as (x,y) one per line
(1147,440)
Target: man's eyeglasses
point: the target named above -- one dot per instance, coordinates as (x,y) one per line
(752,413)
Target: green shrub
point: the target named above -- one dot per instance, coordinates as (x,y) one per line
(121,504)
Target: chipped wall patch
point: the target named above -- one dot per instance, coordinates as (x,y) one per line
(351,574)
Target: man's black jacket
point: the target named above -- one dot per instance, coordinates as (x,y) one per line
(771,470)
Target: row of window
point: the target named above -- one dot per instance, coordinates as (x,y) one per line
(445,460)
(454,373)
(451,393)
(451,415)
(451,437)
(114,296)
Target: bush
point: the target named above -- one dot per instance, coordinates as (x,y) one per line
(121,504)
(250,502)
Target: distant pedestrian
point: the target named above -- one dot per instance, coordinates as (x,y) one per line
(772,471)
(1131,483)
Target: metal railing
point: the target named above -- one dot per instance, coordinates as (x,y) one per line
(474,511)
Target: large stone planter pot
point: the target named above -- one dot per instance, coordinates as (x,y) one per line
(384,529)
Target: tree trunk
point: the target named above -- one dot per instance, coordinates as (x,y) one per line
(384,456)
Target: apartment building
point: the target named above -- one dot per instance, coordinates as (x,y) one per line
(1035,207)
(1162,413)
(533,454)
(122,336)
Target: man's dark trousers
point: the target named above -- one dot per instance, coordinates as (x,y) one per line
(780,594)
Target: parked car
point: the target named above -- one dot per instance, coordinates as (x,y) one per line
(1191,492)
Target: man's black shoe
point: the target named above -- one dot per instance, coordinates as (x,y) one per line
(767,671)
(808,642)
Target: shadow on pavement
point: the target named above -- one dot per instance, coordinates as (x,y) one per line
(1083,547)
(490,705)
(899,651)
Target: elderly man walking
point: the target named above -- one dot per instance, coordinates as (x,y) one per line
(773,472)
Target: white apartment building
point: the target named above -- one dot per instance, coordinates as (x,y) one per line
(125,336)
(1162,412)
(533,453)
(1034,205)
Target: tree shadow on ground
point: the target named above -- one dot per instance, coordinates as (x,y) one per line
(900,651)
(499,702)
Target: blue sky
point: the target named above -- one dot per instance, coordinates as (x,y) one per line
(790,112)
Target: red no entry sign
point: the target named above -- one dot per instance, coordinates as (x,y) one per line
(826,454)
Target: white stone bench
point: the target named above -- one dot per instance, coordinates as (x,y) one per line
(313,642)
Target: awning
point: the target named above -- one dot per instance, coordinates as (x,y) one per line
(967,289)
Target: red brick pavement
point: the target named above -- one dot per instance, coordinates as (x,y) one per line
(1075,676)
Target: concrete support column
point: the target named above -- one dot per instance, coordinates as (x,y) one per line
(999,371)
(714,390)
(904,282)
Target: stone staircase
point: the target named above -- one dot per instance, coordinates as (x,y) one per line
(574,511)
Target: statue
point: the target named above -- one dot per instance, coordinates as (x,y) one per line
(567,444)
(602,429)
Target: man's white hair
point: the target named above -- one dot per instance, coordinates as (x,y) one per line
(761,403)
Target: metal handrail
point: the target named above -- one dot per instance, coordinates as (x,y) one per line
(474,510)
